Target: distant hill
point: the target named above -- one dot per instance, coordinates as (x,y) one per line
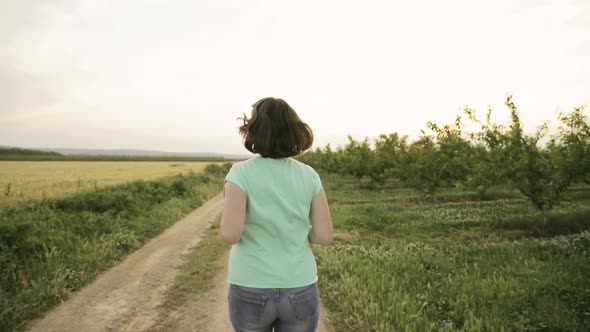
(135,152)
(10,151)
(15,153)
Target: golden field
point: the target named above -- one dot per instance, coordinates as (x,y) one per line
(21,180)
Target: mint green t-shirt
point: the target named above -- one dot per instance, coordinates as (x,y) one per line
(274,251)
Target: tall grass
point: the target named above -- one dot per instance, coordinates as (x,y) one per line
(457,264)
(52,247)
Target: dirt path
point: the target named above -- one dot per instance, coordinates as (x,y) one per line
(127,297)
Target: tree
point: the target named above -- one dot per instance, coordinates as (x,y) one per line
(421,166)
(356,158)
(541,174)
(488,158)
(436,159)
(573,143)
(455,150)
(387,157)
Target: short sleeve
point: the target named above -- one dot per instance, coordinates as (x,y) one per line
(317,182)
(235,176)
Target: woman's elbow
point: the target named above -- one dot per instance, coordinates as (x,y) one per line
(229,238)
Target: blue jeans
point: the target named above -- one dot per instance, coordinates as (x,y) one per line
(284,309)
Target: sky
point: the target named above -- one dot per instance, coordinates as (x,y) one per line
(176,75)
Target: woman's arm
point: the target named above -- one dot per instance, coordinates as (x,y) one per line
(321,220)
(234,213)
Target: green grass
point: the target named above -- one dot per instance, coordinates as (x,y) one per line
(402,263)
(50,248)
(196,275)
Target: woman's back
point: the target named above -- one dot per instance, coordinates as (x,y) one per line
(273,207)
(274,251)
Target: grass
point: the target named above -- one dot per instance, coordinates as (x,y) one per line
(23,180)
(196,276)
(198,270)
(454,262)
(529,285)
(52,247)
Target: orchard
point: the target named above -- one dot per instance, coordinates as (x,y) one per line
(541,165)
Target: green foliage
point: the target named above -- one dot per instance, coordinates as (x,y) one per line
(215,169)
(407,263)
(573,143)
(324,159)
(388,155)
(356,158)
(542,174)
(447,156)
(50,248)
(424,166)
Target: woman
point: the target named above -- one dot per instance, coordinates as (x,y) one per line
(274,208)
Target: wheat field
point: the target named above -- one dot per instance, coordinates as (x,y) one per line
(21,180)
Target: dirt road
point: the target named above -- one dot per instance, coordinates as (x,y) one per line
(127,297)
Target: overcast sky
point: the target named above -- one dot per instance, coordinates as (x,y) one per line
(175,75)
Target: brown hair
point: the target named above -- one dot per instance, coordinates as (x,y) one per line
(274,130)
